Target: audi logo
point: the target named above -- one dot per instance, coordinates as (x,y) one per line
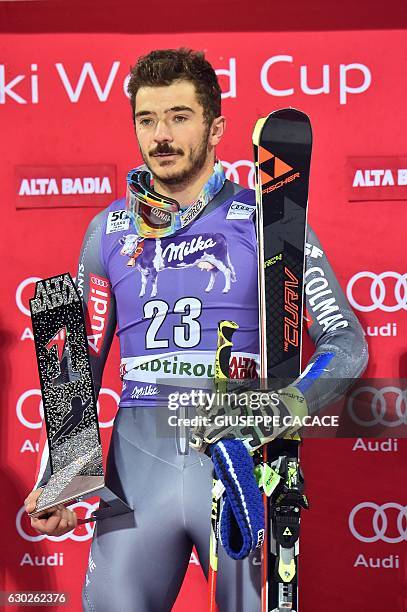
(75,535)
(36,421)
(19,293)
(379,291)
(378,409)
(241,206)
(232,171)
(98,281)
(380,522)
(20,409)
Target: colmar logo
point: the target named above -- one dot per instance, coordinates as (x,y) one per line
(61,186)
(322,303)
(161,215)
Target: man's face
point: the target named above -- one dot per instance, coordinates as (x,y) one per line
(172,134)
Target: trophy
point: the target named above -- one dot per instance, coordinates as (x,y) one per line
(70,413)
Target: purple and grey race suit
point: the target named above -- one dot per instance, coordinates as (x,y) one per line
(166,297)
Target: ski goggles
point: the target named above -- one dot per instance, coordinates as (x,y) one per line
(153,215)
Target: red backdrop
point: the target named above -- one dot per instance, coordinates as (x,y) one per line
(64,113)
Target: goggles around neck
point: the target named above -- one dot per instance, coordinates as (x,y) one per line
(155,215)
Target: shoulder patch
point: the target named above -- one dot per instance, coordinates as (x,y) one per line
(117,221)
(239,210)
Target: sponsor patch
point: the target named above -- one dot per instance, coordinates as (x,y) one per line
(117,221)
(238,210)
(153,369)
(98,309)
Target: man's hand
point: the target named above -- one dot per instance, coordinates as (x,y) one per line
(256,418)
(55,521)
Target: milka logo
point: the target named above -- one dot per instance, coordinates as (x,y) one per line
(179,251)
(142,391)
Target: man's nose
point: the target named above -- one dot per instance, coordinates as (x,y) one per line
(162,132)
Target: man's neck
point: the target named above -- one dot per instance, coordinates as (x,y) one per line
(187,192)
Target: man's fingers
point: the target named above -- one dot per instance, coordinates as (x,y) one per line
(31,500)
(72,523)
(46,525)
(55,521)
(68,522)
(63,523)
(73,519)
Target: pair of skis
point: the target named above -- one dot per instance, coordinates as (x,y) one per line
(282,154)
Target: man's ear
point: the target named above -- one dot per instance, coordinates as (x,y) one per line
(217,130)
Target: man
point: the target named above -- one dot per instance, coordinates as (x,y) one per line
(167,295)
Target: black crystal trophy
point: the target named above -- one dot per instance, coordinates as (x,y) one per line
(70,413)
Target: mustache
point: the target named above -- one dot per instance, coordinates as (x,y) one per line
(165,149)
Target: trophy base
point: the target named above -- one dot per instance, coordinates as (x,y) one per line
(81,487)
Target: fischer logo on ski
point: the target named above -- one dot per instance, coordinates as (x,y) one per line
(272,167)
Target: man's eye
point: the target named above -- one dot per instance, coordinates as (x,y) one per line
(179,119)
(145,122)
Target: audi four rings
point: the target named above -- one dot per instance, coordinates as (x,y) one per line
(378,406)
(22,416)
(379,292)
(71,535)
(380,522)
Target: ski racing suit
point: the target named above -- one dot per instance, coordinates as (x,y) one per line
(166,300)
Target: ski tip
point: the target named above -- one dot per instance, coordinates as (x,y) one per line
(257,130)
(291,113)
(288,115)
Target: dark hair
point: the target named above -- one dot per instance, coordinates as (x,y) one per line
(164,66)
